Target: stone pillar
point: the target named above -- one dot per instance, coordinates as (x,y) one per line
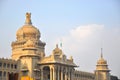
(72,74)
(69,74)
(6,75)
(61,73)
(58,72)
(51,74)
(66,73)
(41,77)
(41,74)
(54,73)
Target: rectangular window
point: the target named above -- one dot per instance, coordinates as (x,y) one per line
(15,66)
(0,73)
(11,66)
(4,65)
(8,65)
(0,64)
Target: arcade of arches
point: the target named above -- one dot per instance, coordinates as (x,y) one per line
(53,72)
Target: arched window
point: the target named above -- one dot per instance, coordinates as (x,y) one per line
(46,73)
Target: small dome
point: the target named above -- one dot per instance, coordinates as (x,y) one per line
(101,61)
(57,51)
(28,31)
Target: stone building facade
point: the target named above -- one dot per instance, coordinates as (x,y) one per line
(28,59)
(8,66)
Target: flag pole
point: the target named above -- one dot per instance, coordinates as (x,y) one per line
(61,45)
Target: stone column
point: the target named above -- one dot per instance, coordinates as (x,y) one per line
(41,74)
(65,76)
(61,73)
(69,74)
(41,77)
(51,74)
(6,75)
(58,70)
(54,73)
(72,74)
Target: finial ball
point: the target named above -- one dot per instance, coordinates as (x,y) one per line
(28,15)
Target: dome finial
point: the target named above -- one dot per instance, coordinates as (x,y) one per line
(28,18)
(101,52)
(56,45)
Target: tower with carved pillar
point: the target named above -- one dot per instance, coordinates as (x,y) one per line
(102,71)
(28,48)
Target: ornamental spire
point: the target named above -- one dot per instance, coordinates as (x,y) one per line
(101,53)
(28,18)
(56,45)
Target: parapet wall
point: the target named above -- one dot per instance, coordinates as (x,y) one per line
(7,66)
(82,75)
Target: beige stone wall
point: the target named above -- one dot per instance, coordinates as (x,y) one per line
(102,75)
(7,66)
(81,75)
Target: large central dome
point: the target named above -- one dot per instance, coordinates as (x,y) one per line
(28,41)
(28,31)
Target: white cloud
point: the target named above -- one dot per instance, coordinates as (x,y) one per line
(82,38)
(85,31)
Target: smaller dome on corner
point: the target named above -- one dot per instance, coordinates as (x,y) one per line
(57,50)
(101,61)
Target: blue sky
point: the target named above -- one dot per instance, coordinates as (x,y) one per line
(84,25)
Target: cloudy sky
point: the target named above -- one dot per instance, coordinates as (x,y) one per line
(83,27)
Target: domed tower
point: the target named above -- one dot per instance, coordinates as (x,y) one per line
(27,41)
(28,48)
(102,71)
